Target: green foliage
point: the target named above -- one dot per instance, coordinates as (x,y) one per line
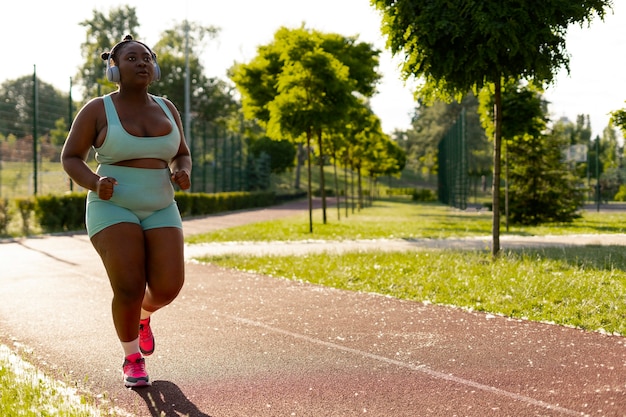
(211,99)
(61,213)
(400,191)
(17,107)
(542,189)
(25,207)
(424,195)
(5,216)
(103,31)
(282,153)
(621,193)
(198,204)
(524,110)
(462,44)
(26,392)
(618,118)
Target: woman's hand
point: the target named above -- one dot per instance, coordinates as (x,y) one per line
(181,178)
(104,187)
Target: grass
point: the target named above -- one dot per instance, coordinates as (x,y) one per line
(26,392)
(583,287)
(404,220)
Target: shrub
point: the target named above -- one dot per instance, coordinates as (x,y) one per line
(424,195)
(621,194)
(61,213)
(5,216)
(25,206)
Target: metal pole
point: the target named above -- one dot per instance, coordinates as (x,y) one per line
(187,90)
(35,113)
(598,196)
(70,118)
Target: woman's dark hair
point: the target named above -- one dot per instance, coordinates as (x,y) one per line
(119,46)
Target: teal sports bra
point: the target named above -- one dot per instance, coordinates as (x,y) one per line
(119,145)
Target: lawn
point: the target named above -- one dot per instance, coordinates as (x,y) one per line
(584,287)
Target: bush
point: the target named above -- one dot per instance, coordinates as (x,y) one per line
(621,194)
(61,213)
(401,191)
(25,206)
(5,216)
(198,204)
(424,195)
(67,212)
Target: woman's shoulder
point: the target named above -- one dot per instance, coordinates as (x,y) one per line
(93,106)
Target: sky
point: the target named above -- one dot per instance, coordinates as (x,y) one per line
(47,34)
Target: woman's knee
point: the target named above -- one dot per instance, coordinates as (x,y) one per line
(129,290)
(163,292)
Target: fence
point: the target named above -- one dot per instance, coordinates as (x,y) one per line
(30,108)
(453,177)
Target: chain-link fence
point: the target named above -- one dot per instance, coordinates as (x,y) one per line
(453,174)
(31,109)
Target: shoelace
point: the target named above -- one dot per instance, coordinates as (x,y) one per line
(144,331)
(136,368)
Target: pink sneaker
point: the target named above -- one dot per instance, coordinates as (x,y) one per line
(135,374)
(146,338)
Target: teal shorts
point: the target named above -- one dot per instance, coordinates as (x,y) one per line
(141,196)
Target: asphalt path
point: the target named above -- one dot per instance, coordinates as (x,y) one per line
(241,344)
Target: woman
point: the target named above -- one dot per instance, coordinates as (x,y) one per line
(132,219)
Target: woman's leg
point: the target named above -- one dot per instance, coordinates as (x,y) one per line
(165,266)
(123,251)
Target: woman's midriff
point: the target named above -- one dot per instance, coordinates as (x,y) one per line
(141,189)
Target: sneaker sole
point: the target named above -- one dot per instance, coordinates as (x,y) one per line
(138,383)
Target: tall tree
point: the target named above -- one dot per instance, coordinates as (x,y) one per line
(211,99)
(17,107)
(458,45)
(103,31)
(304,83)
(540,186)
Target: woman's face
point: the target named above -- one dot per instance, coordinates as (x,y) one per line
(136,64)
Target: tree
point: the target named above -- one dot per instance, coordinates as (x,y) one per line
(282,153)
(618,118)
(543,188)
(17,107)
(458,45)
(431,122)
(304,83)
(540,187)
(103,31)
(211,99)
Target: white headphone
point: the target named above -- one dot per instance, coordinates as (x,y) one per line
(113,72)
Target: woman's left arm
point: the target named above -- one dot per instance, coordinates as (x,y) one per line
(180,165)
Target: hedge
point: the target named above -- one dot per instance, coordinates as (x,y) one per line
(64,213)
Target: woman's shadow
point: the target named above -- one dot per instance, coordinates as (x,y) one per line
(165,398)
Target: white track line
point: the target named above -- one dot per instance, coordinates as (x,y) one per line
(419,368)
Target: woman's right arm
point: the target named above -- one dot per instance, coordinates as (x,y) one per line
(89,122)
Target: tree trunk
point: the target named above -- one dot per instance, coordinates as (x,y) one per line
(310,196)
(359,187)
(299,160)
(497,140)
(322,180)
(337,193)
(345,185)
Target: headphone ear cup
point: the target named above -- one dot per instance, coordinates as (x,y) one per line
(113,74)
(157,72)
